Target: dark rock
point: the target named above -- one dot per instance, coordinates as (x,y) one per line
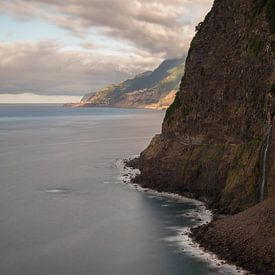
(213,134)
(245,239)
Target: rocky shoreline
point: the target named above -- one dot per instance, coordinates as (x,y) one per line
(214,144)
(131,172)
(246,239)
(134,163)
(156,106)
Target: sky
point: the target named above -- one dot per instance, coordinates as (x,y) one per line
(73,47)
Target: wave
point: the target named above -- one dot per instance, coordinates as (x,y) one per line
(201,214)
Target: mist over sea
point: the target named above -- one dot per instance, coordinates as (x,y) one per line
(64,209)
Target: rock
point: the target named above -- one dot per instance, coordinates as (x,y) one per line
(250,242)
(213,134)
(267,259)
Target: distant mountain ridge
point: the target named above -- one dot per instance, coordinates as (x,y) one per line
(152,89)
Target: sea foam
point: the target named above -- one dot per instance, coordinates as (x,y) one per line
(181,236)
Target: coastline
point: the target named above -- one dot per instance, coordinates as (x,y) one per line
(184,237)
(246,239)
(87,105)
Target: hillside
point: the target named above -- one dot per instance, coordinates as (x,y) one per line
(215,134)
(153,89)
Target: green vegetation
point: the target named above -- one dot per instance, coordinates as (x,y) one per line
(256,45)
(270,12)
(175,105)
(186,110)
(254,100)
(259,8)
(254,142)
(172,80)
(142,90)
(272,90)
(208,152)
(241,183)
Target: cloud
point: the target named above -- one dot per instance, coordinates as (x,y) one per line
(163,26)
(45,68)
(118,39)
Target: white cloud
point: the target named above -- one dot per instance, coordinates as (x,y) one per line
(141,32)
(46,69)
(158,26)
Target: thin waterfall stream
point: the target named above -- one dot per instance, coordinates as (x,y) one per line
(265,152)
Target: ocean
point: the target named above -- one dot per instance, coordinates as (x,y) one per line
(65,209)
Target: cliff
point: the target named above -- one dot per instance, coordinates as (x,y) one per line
(153,89)
(214,135)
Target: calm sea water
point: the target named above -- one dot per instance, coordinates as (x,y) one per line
(63,207)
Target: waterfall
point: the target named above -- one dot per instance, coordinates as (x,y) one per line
(264,161)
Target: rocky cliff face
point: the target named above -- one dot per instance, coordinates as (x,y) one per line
(154,89)
(214,133)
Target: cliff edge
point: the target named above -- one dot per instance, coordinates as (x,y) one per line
(215,142)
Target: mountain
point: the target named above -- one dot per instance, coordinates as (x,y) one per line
(152,89)
(217,141)
(215,133)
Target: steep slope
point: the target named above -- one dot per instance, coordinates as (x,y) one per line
(215,133)
(155,90)
(247,239)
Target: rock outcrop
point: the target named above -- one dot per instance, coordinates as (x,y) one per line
(152,90)
(214,134)
(246,239)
